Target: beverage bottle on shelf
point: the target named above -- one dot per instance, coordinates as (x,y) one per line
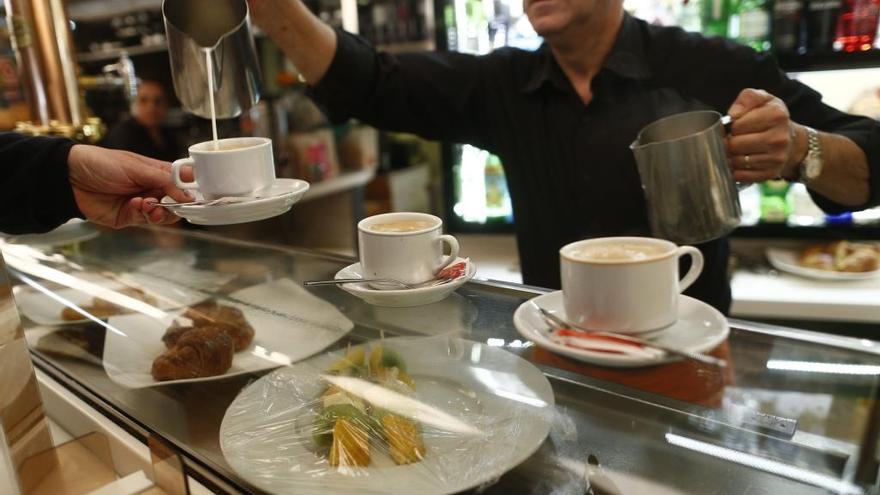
(821,24)
(775,207)
(789,26)
(857,25)
(688,16)
(750,24)
(715,17)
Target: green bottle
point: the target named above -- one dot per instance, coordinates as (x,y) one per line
(775,207)
(715,17)
(750,24)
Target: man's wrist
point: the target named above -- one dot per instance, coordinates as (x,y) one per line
(799,149)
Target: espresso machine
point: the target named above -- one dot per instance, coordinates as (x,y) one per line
(48,70)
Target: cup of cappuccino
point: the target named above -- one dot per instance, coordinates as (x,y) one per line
(230,167)
(624,284)
(404,246)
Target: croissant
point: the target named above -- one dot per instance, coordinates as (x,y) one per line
(200,352)
(231,319)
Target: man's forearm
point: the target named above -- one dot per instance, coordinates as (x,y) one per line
(845,173)
(309,43)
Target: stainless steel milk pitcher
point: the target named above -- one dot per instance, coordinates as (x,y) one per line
(223,28)
(689,188)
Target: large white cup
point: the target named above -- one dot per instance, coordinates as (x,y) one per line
(240,167)
(624,284)
(410,257)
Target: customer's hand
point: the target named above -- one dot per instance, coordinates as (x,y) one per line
(117,188)
(762,142)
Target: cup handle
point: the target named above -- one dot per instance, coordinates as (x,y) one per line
(175,173)
(696,266)
(453,251)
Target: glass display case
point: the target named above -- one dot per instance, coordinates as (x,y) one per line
(793,412)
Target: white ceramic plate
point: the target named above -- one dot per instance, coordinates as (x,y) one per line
(289,324)
(281,197)
(700,328)
(786,260)
(406,297)
(505,401)
(46,310)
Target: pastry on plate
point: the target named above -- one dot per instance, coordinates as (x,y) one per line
(201,352)
(842,256)
(210,313)
(102,308)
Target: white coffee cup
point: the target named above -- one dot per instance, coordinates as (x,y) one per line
(240,167)
(407,247)
(624,284)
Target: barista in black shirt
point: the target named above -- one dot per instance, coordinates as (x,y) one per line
(562,118)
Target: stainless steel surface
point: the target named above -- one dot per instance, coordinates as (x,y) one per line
(788,415)
(689,189)
(223,28)
(555,322)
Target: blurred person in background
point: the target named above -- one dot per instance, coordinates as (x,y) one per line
(144,131)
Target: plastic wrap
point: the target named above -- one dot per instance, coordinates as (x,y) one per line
(431,415)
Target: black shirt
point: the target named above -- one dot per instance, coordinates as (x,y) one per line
(570,171)
(35,192)
(129,135)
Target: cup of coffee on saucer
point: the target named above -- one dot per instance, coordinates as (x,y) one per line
(624,284)
(228,167)
(407,247)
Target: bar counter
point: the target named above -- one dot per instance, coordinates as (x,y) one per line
(794,411)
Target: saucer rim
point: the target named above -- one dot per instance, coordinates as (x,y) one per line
(296,186)
(364,288)
(528,331)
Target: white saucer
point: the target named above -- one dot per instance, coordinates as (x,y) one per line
(403,298)
(700,328)
(281,197)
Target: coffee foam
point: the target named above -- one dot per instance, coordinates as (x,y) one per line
(619,251)
(401,226)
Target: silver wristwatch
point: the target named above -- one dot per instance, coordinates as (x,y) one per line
(811,167)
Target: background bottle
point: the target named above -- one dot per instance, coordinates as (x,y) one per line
(821,24)
(750,24)
(715,17)
(857,25)
(789,26)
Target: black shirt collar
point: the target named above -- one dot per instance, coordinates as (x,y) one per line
(627,59)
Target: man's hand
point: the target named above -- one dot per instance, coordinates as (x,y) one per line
(764,143)
(118,188)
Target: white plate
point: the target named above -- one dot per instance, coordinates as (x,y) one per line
(75,230)
(289,324)
(403,298)
(507,403)
(281,197)
(46,310)
(786,260)
(700,328)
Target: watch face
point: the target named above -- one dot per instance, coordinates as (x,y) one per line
(812,166)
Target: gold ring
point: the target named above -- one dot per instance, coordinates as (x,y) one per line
(746,160)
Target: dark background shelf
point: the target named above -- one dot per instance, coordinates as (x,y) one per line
(782,231)
(829,61)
